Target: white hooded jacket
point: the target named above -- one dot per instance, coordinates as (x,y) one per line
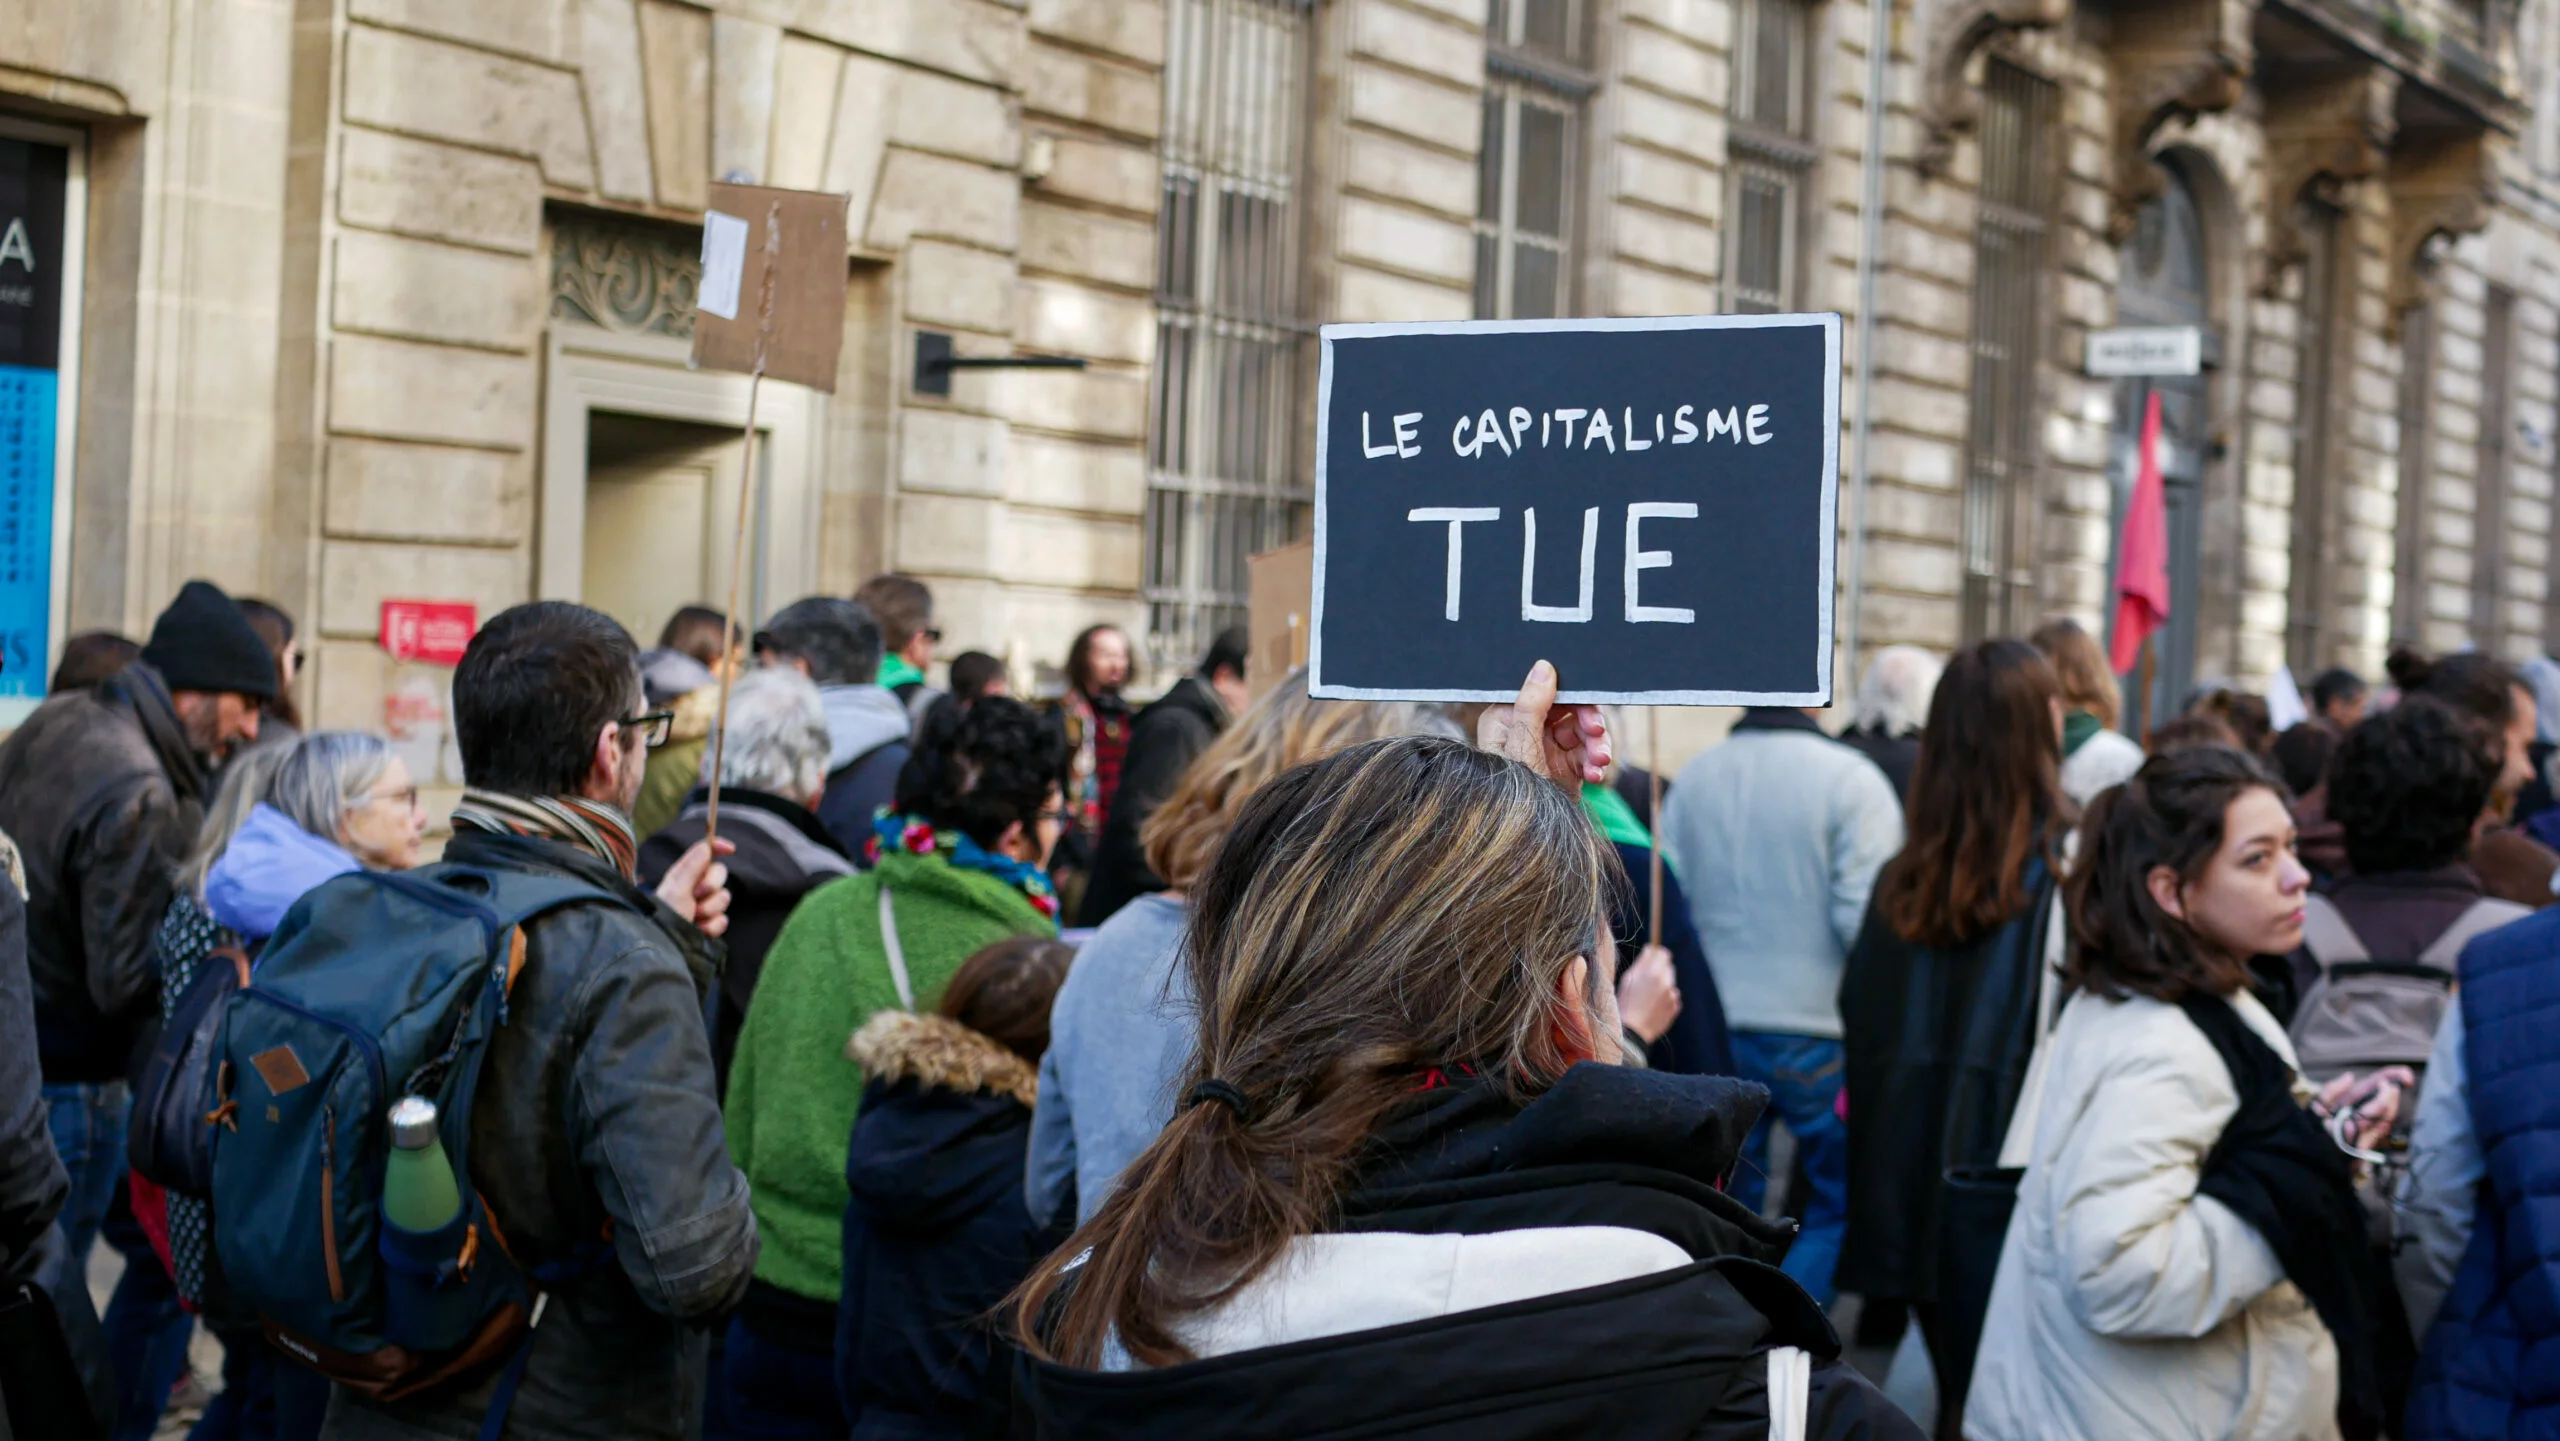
(2127,1306)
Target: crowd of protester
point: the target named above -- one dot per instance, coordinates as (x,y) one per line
(1398,1068)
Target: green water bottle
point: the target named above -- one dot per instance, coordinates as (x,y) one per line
(418,1190)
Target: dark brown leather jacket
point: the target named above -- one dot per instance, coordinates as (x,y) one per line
(104,798)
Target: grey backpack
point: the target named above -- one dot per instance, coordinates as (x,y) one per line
(2363,1012)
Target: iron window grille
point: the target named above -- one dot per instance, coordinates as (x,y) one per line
(1224,469)
(1771,156)
(2009,248)
(2490,486)
(1536,82)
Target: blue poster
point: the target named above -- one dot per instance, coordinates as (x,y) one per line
(34,180)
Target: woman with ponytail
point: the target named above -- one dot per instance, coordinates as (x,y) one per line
(1407,1187)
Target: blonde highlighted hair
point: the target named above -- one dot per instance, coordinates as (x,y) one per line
(1285,728)
(2088,683)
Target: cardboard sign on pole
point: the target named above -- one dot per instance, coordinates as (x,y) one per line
(1649,504)
(1283,584)
(808,284)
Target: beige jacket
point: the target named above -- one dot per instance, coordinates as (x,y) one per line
(2127,1306)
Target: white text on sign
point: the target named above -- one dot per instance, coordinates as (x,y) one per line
(1506,432)
(1638,560)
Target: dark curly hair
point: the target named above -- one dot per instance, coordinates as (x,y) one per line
(2482,685)
(2170,814)
(2410,784)
(981,770)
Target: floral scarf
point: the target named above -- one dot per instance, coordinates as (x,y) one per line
(915,836)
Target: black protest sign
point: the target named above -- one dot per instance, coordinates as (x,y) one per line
(1649,504)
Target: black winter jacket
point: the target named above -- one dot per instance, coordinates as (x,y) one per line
(104,798)
(937,1231)
(1936,1045)
(33,1184)
(596,1116)
(1674,1355)
(783,853)
(1163,742)
(1699,1043)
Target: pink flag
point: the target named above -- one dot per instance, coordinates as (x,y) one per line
(2142,552)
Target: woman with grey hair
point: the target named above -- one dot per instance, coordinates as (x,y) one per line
(771,777)
(1892,706)
(285,818)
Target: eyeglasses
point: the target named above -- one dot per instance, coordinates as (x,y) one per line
(654,726)
(407,796)
(934,634)
(1051,818)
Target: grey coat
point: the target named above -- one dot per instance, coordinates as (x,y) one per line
(597,1112)
(103,797)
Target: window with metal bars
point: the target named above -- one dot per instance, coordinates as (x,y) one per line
(2417,444)
(2315,443)
(2489,488)
(1536,82)
(1771,156)
(1224,471)
(2009,246)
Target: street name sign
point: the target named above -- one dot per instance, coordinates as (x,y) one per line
(2145,352)
(1651,504)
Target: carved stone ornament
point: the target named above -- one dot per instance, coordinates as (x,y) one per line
(2442,183)
(2173,61)
(1952,106)
(2326,130)
(625,275)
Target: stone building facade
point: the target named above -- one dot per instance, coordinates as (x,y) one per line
(388,299)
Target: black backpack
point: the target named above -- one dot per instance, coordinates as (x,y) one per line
(169,1140)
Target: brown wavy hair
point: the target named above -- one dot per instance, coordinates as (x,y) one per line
(2170,814)
(1283,729)
(1986,798)
(1401,905)
(2088,681)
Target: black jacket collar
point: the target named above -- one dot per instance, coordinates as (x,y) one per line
(1652,1357)
(1777,718)
(799,817)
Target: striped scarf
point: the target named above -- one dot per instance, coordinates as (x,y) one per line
(601,831)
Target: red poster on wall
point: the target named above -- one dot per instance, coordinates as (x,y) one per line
(434,631)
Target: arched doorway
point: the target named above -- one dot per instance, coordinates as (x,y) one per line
(2166,279)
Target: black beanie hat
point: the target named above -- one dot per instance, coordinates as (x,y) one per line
(202,642)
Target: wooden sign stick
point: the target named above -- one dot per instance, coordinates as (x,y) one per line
(746,507)
(1653,765)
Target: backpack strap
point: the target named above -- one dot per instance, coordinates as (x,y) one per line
(2484,915)
(897,953)
(2326,934)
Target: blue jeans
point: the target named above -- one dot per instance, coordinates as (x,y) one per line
(88,1122)
(264,1396)
(1803,1074)
(146,1329)
(777,1393)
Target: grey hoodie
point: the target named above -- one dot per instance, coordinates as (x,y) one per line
(860,719)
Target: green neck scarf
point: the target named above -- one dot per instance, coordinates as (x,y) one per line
(1615,818)
(2077,728)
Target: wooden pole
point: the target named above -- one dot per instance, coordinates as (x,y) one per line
(2149,665)
(1653,822)
(746,507)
